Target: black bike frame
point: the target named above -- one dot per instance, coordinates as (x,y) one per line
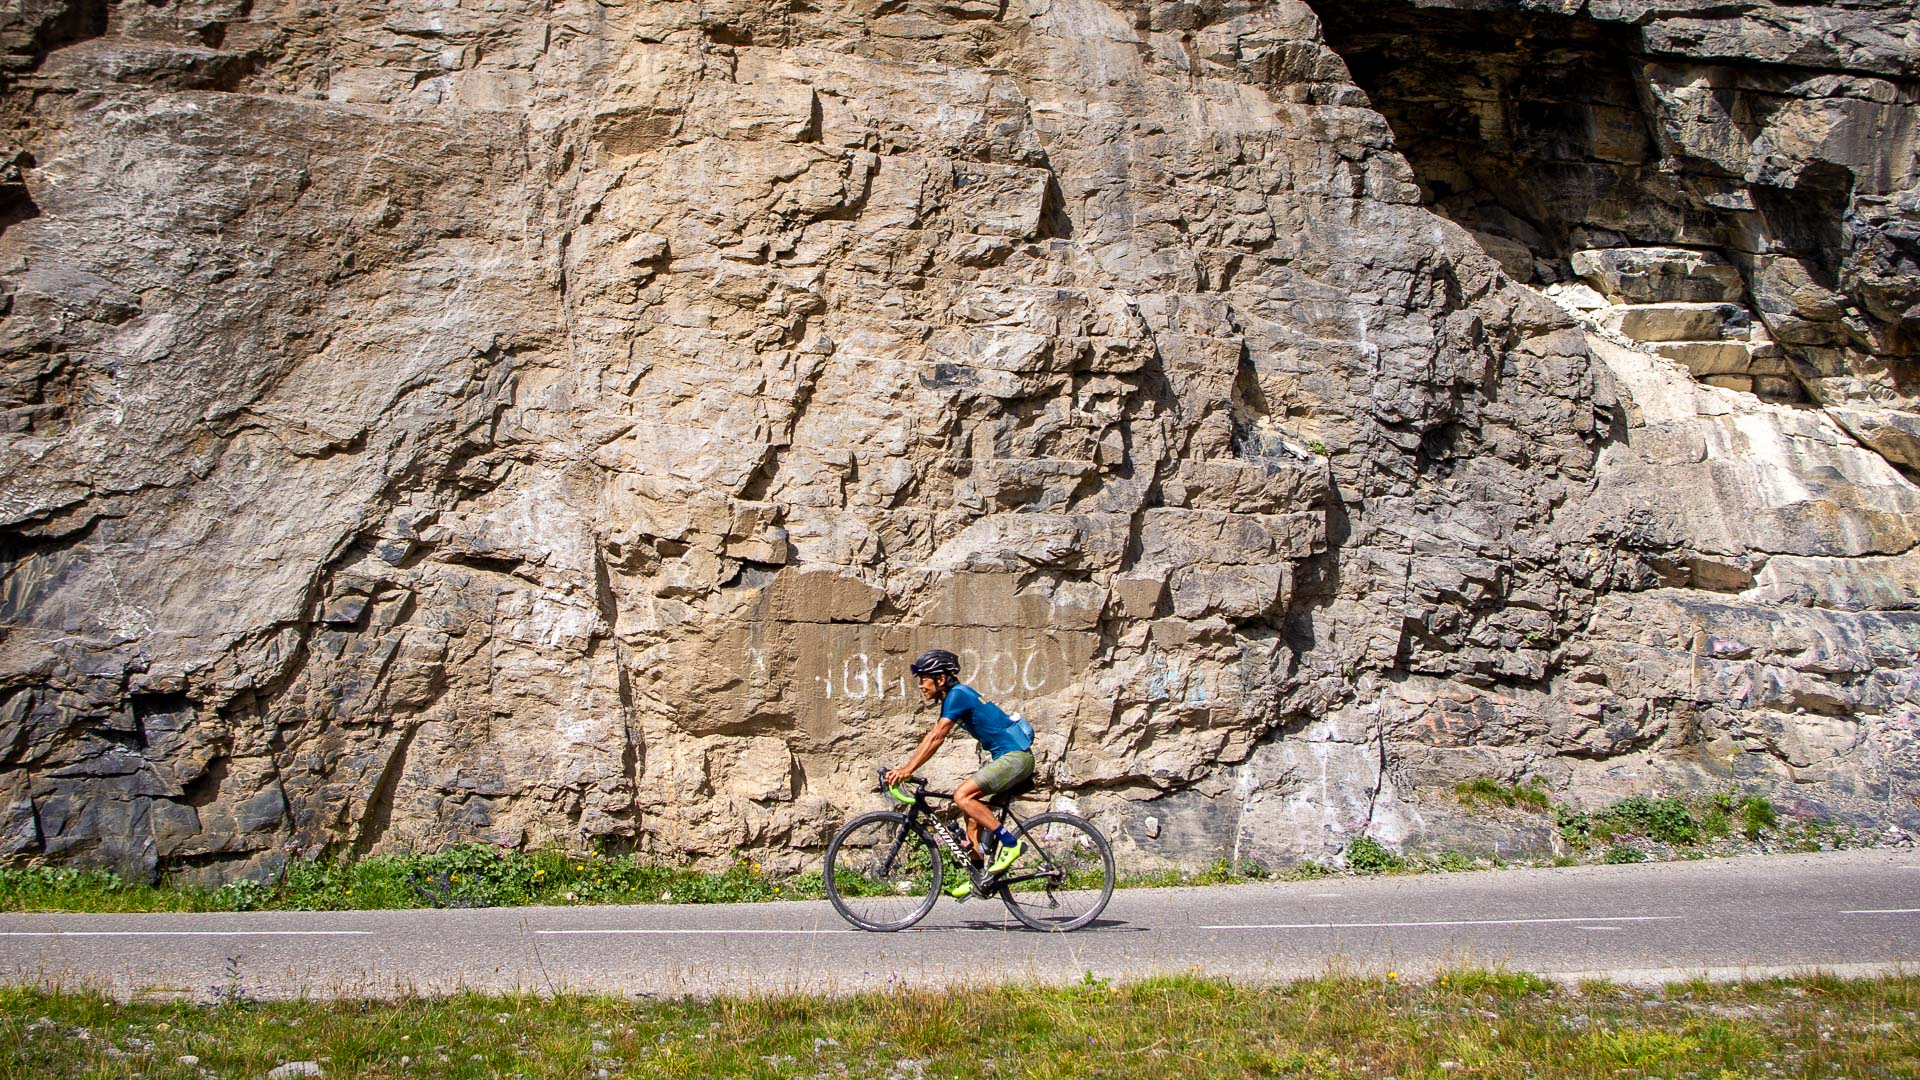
(952,843)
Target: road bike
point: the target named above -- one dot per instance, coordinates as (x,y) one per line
(884,869)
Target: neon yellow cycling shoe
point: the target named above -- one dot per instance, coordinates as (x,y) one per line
(961,891)
(1007,856)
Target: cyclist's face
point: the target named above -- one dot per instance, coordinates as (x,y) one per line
(929,687)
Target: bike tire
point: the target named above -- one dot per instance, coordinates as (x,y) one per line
(882,871)
(1076,864)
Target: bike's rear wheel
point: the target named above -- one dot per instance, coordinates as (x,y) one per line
(883,872)
(1065,877)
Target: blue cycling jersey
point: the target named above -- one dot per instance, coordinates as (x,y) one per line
(984,720)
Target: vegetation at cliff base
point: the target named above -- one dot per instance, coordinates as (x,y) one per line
(1634,829)
(1729,819)
(470,875)
(1470,1023)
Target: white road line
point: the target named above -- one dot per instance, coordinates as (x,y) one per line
(1884,911)
(1442,922)
(848,930)
(185,933)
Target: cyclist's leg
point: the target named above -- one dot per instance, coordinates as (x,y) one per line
(967,797)
(1000,775)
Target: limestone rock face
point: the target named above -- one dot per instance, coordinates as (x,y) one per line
(560,422)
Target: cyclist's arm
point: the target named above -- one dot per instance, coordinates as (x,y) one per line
(923,753)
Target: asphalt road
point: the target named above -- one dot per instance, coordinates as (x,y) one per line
(1854,912)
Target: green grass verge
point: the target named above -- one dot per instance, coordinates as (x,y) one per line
(1461,1024)
(473,875)
(480,876)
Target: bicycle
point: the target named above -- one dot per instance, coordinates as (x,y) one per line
(884,871)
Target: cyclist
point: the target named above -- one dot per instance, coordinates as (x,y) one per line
(1007,739)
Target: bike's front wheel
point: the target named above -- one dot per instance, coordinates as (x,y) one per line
(1064,878)
(883,872)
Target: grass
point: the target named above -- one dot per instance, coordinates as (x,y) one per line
(473,875)
(481,876)
(1482,1024)
(1528,794)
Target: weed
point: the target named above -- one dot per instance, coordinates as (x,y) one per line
(1668,820)
(1639,1048)
(246,894)
(1307,870)
(1576,828)
(1482,788)
(1497,982)
(1219,872)
(1366,856)
(1530,793)
(1684,821)
(1714,823)
(1756,816)
(232,992)
(1622,853)
(1485,789)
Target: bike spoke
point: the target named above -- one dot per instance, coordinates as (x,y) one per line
(1064,880)
(882,873)
(887,864)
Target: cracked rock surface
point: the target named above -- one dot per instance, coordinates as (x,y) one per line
(557,422)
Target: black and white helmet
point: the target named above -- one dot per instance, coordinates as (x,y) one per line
(936,662)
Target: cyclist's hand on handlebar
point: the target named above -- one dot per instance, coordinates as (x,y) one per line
(894,776)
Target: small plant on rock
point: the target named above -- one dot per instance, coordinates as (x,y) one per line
(1307,870)
(1757,816)
(1668,820)
(1366,856)
(1623,853)
(1576,827)
(1485,789)
(247,895)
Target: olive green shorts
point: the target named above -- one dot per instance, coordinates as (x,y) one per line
(1003,773)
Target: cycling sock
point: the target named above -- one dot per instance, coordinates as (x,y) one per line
(1007,839)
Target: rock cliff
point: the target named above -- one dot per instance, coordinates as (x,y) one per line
(558,421)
